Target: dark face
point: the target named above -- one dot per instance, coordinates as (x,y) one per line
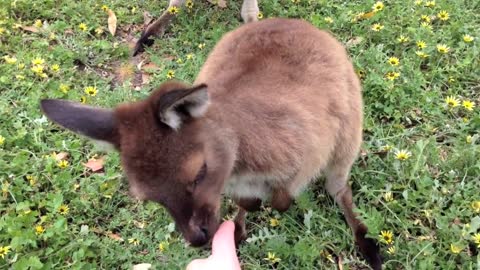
(164,155)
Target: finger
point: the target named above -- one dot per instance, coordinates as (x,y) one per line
(223,241)
(198,264)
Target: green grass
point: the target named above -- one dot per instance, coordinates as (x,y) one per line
(433,192)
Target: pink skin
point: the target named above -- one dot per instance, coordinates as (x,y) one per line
(224,256)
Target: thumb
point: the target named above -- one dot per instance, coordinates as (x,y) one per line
(223,244)
(198,264)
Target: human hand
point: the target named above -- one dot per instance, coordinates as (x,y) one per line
(224,256)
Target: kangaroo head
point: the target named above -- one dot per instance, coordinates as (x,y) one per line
(168,150)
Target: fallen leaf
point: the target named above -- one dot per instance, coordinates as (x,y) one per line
(368,15)
(142,266)
(61,156)
(112,22)
(32,29)
(115,236)
(95,164)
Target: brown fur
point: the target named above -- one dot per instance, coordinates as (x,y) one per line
(284,105)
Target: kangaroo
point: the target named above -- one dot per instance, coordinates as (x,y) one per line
(276,104)
(248,12)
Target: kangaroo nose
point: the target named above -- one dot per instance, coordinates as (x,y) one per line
(199,236)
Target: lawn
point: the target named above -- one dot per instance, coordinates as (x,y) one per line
(64,202)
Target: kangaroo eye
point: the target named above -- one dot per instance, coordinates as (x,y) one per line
(200,175)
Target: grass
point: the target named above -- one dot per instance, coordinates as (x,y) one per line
(427,197)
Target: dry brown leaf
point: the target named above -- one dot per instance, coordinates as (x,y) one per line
(368,15)
(115,236)
(112,22)
(32,29)
(61,156)
(95,164)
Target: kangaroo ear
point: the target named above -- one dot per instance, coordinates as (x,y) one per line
(176,106)
(95,123)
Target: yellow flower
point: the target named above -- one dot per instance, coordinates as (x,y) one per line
(387,147)
(179,61)
(134,241)
(443,15)
(189,56)
(476,206)
(421,54)
(63,209)
(82,27)
(55,67)
(38,23)
(2,140)
(377,27)
(391,250)
(62,164)
(386,237)
(37,69)
(468,105)
(391,75)
(201,46)
(468,139)
(105,8)
(38,61)
(52,36)
(271,258)
(425,18)
(394,61)
(64,88)
(4,250)
(455,249)
(21,66)
(260,15)
(170,74)
(328,20)
(10,60)
(476,239)
(403,39)
(426,25)
(402,154)
(83,99)
(39,229)
(163,246)
(91,91)
(418,2)
(430,3)
(378,6)
(31,179)
(421,44)
(189,4)
(327,255)
(388,196)
(173,10)
(451,79)
(442,48)
(452,101)
(274,222)
(2,30)
(467,38)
